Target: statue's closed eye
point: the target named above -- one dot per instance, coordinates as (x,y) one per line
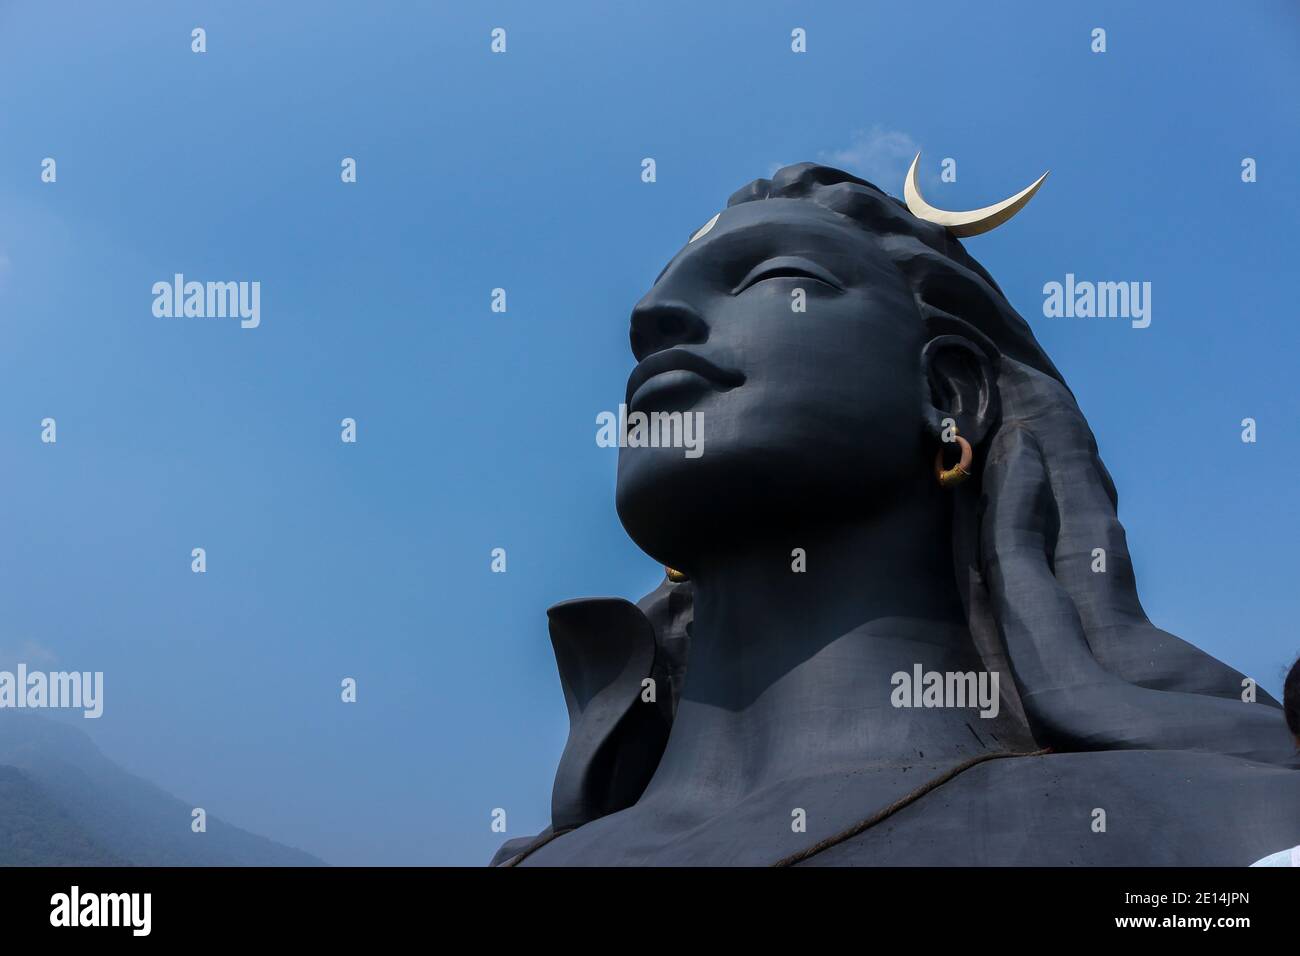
(783,267)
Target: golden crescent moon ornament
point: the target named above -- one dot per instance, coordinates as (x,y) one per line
(966,223)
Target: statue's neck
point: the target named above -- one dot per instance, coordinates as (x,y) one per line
(790,672)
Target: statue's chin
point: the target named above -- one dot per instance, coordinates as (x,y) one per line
(670,505)
(652,515)
(677,509)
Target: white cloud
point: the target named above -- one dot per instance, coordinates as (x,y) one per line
(880,156)
(35,656)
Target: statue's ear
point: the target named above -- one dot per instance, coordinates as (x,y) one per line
(960,367)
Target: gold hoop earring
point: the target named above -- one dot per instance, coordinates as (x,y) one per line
(951,477)
(675,576)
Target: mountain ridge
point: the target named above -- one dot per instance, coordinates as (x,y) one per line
(53,779)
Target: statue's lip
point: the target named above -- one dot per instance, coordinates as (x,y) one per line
(680,360)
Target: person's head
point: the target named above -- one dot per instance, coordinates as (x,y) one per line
(822,335)
(1291,701)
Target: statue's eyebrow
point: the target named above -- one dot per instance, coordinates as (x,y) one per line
(697,234)
(731,235)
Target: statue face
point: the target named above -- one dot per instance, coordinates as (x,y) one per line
(811,415)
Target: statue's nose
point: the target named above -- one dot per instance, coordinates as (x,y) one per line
(659,323)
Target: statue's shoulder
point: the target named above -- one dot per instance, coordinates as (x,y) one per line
(520,847)
(1104,808)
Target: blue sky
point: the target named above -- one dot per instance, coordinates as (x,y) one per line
(476,430)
